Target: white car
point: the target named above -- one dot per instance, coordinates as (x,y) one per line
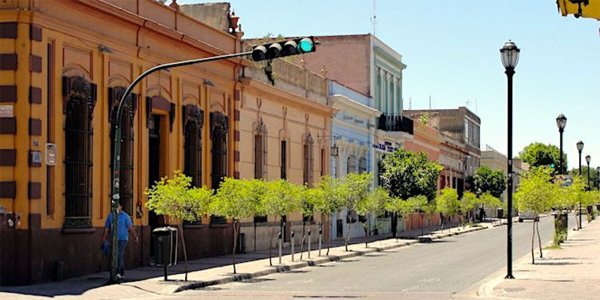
(528,215)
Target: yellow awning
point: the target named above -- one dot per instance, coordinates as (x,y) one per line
(591,10)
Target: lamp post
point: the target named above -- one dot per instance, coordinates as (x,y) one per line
(561,122)
(598,177)
(579,149)
(588,159)
(510,57)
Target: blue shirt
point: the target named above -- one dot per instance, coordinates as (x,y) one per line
(123,224)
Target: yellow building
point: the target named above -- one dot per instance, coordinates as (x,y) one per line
(63,65)
(284,133)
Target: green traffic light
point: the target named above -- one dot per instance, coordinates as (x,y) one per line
(306,45)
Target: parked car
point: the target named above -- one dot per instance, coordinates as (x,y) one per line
(528,215)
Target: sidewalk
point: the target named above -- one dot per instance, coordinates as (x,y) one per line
(571,272)
(148,281)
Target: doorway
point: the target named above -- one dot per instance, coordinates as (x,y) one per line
(154,163)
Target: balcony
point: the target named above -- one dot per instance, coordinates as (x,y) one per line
(395,123)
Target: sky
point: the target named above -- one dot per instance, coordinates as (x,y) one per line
(451,49)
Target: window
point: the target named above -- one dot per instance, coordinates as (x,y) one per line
(219,126)
(362,165)
(80,99)
(260,151)
(193,119)
(308,160)
(283,159)
(127,144)
(351,164)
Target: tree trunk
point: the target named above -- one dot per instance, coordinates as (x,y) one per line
(366,234)
(348,236)
(533,245)
(235,230)
(185,264)
(537,228)
(271,243)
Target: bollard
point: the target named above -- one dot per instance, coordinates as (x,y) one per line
(320,237)
(292,240)
(309,243)
(280,247)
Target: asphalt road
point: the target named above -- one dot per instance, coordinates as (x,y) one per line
(435,270)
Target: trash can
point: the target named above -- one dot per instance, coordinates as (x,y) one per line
(500,213)
(164,244)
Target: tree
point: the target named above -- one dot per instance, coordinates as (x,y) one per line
(406,174)
(279,198)
(538,154)
(402,207)
(327,198)
(173,197)
(486,180)
(536,193)
(468,203)
(419,204)
(447,203)
(372,205)
(234,200)
(353,189)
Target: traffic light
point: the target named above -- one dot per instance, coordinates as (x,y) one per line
(284,48)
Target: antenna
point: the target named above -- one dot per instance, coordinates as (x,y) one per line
(409,103)
(429,101)
(475,105)
(373,17)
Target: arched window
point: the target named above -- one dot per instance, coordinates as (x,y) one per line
(80,99)
(193,119)
(308,160)
(260,150)
(127,143)
(219,127)
(218,135)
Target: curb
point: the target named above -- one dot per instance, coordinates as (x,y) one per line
(312,262)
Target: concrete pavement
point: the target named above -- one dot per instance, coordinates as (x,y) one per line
(148,281)
(571,272)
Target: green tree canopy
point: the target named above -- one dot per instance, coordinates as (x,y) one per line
(447,202)
(406,174)
(486,180)
(538,154)
(536,192)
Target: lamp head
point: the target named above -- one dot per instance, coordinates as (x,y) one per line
(510,54)
(579,146)
(561,122)
(588,159)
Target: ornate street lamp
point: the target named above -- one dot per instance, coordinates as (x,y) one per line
(588,159)
(510,57)
(598,177)
(579,149)
(561,122)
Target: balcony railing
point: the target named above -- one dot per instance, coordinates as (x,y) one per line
(396,123)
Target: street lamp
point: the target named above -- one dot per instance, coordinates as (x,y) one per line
(579,149)
(510,57)
(561,122)
(588,159)
(598,177)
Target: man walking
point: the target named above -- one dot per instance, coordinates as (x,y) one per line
(124,226)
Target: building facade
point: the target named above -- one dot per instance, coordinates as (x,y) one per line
(375,71)
(352,134)
(460,152)
(60,87)
(280,134)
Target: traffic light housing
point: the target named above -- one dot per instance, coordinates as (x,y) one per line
(284,48)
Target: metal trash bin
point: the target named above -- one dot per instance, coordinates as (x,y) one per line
(241,243)
(164,244)
(500,213)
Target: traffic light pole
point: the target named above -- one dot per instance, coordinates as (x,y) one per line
(116,159)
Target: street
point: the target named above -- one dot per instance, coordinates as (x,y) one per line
(439,269)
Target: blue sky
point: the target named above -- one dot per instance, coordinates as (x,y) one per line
(451,48)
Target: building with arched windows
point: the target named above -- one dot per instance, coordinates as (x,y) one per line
(60,92)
